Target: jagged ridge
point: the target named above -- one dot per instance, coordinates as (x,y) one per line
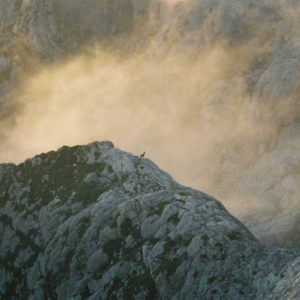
(93,222)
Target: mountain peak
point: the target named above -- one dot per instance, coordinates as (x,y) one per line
(94,222)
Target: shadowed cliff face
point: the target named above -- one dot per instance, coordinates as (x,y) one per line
(208,88)
(94,222)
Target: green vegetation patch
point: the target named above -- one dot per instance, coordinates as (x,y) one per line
(158,209)
(138,283)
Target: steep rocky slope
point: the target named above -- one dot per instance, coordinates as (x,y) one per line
(94,222)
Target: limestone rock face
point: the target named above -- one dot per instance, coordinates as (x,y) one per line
(56,26)
(94,222)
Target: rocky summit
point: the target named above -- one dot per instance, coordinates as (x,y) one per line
(94,222)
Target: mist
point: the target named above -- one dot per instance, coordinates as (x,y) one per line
(203,94)
(178,109)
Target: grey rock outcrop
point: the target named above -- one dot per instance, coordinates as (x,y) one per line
(93,222)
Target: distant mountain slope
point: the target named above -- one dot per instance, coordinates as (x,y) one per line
(39,30)
(94,222)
